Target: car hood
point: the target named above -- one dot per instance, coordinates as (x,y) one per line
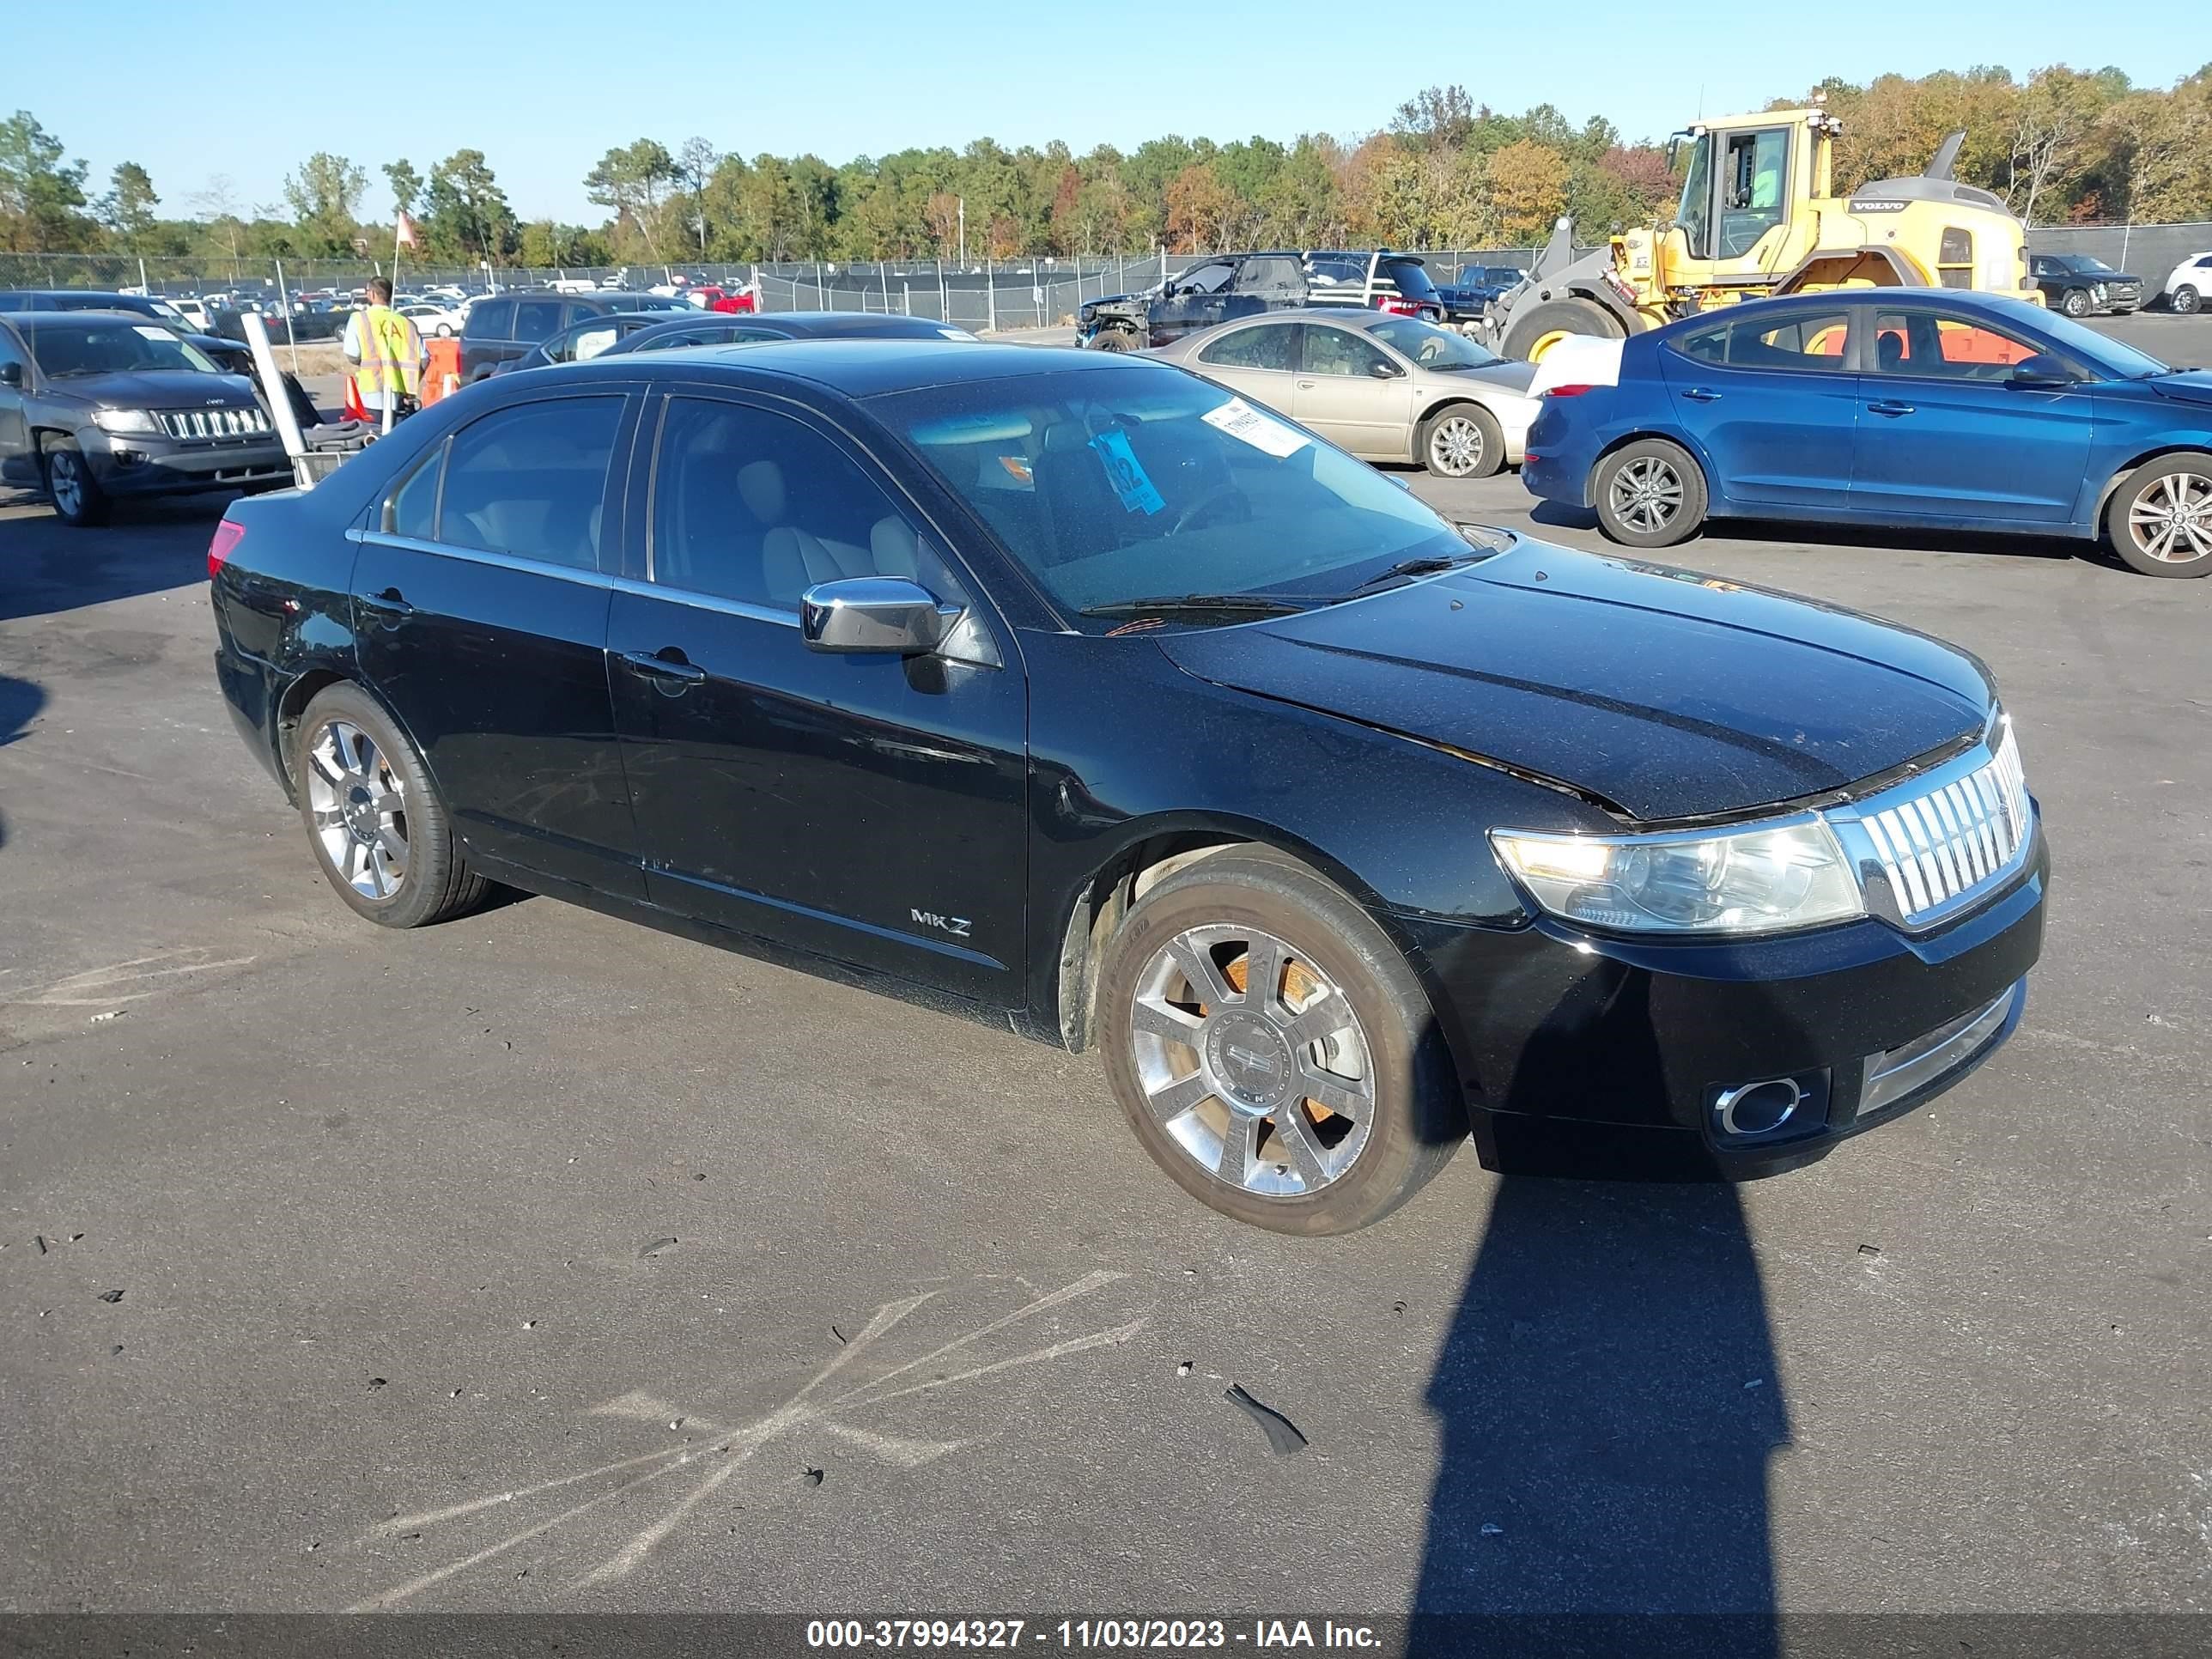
(2190,386)
(1663,693)
(161,389)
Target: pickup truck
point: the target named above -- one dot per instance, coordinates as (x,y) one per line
(1230,285)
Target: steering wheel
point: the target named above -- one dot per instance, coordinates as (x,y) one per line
(1219,496)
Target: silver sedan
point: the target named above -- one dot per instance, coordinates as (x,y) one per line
(1386,388)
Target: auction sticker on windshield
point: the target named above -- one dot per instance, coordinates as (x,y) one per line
(153,333)
(1240,420)
(1128,476)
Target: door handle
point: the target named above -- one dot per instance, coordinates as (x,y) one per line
(668,663)
(1889,408)
(1697,394)
(1305,386)
(389,602)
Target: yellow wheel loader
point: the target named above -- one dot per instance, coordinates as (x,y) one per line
(1758,216)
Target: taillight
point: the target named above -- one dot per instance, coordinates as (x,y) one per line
(228,535)
(1567,391)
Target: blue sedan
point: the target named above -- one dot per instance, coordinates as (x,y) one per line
(1926,407)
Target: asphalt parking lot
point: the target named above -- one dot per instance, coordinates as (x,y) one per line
(541,1261)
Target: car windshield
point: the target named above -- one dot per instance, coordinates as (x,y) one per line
(113,348)
(1138,482)
(1432,347)
(2089,267)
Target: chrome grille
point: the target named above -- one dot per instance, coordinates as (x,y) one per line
(196,424)
(1941,840)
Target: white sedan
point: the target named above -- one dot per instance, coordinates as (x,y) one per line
(2190,285)
(433,321)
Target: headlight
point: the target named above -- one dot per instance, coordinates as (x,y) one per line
(124,420)
(1762,878)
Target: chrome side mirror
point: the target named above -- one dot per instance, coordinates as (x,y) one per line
(883,616)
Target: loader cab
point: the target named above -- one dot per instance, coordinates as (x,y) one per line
(1743,191)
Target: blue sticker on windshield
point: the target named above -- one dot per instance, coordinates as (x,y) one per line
(1123,472)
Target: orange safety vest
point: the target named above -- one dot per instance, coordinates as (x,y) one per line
(390,353)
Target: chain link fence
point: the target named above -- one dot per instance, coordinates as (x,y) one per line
(979,295)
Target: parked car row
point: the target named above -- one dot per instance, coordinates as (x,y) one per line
(1222,287)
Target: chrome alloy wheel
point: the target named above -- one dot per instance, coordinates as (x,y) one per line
(359,807)
(65,481)
(2172,520)
(1646,493)
(1456,446)
(1252,1061)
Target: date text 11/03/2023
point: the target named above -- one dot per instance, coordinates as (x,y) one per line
(1256,1635)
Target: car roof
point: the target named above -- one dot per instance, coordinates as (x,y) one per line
(76,316)
(866,368)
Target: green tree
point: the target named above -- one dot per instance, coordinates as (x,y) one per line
(466,214)
(325,196)
(406,184)
(637,181)
(41,194)
(127,210)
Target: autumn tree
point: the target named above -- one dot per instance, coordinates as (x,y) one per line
(1529,188)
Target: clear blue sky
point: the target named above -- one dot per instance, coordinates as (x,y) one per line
(173,89)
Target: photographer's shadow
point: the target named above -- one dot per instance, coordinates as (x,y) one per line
(1607,1401)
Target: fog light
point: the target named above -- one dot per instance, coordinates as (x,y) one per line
(130,457)
(1757,1108)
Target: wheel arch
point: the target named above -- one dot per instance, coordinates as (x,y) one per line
(1681,441)
(302,689)
(1146,853)
(1448,400)
(2121,474)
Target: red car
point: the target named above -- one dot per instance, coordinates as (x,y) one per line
(722,299)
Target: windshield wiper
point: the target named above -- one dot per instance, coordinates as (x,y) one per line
(1252,604)
(1422,567)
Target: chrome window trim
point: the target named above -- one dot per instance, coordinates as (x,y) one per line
(516,562)
(704,601)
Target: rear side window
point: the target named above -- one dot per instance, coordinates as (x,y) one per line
(536,319)
(1268,346)
(411,510)
(531,481)
(1275,278)
(1806,341)
(491,319)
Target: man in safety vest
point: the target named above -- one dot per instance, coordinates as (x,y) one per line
(385,352)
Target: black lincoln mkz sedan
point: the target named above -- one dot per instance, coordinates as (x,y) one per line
(1067,689)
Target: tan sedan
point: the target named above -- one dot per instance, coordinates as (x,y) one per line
(1386,388)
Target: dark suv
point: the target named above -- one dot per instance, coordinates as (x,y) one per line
(505,326)
(1212,291)
(2083,286)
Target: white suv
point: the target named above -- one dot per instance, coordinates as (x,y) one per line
(2191,284)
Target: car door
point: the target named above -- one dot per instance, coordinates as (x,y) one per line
(1943,432)
(1193,303)
(1258,361)
(16,461)
(867,808)
(1771,400)
(1347,390)
(481,618)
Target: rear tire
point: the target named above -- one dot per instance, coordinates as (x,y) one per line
(1650,493)
(384,840)
(1177,1050)
(1462,441)
(1535,328)
(2160,521)
(2186,300)
(79,501)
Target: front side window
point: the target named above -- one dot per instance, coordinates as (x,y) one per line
(1930,345)
(536,319)
(1274,277)
(531,480)
(491,319)
(1432,347)
(1266,346)
(754,506)
(1695,214)
(1812,341)
(1338,352)
(1205,279)
(1110,488)
(8,351)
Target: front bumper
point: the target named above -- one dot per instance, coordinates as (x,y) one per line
(1601,1057)
(149,464)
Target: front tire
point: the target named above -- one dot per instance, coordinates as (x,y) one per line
(1273,1049)
(79,501)
(1114,339)
(2074,302)
(1463,440)
(2161,520)
(383,838)
(1649,494)
(1535,330)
